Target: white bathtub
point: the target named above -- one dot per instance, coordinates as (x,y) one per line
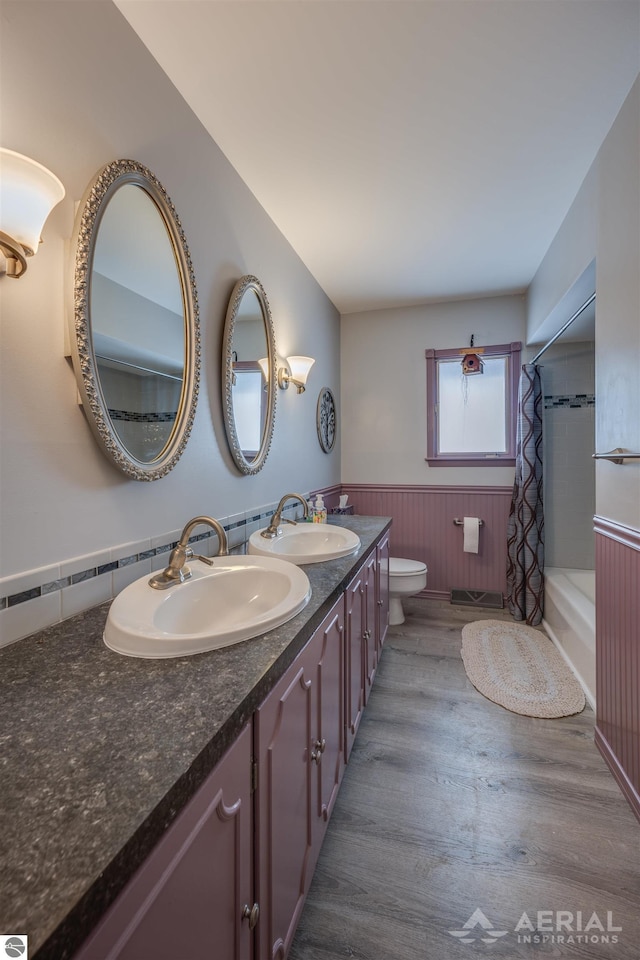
(570,621)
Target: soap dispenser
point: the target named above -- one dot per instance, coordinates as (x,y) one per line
(319,510)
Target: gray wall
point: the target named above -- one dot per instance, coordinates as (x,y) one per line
(79,90)
(384,393)
(603,222)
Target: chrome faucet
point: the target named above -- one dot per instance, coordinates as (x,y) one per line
(177,571)
(272,530)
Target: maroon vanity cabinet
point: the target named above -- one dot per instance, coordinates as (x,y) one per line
(328,753)
(366,624)
(370,621)
(193,897)
(355,657)
(299,732)
(229,878)
(382,590)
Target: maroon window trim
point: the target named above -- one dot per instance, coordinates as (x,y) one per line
(510,350)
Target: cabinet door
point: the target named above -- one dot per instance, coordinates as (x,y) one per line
(355,655)
(300,751)
(285,733)
(382,587)
(370,622)
(192,897)
(328,750)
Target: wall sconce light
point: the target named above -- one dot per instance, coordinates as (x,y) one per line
(28,194)
(296,373)
(264,366)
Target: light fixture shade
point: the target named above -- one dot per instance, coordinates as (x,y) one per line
(28,194)
(300,367)
(264,366)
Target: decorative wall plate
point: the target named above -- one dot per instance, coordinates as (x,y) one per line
(326,419)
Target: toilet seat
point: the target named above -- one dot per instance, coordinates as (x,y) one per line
(406,568)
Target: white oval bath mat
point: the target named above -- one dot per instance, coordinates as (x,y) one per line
(520,669)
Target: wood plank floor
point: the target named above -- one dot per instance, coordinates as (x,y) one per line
(451,804)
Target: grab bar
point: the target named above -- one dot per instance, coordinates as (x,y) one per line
(460,523)
(618,455)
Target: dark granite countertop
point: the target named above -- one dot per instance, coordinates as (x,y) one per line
(100,752)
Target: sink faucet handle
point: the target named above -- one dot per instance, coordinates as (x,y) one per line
(176,570)
(271,532)
(190,555)
(294,523)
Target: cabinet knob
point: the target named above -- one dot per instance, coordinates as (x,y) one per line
(318,749)
(251,914)
(367,634)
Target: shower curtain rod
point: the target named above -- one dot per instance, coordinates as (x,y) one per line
(565,327)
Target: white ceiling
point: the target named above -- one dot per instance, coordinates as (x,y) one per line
(409,150)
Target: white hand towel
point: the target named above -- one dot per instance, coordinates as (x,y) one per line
(471,534)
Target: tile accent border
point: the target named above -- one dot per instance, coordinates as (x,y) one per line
(18,606)
(132,417)
(552,402)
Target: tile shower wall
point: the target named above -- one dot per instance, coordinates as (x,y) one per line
(569,440)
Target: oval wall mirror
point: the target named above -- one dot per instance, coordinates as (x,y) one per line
(249,375)
(135,338)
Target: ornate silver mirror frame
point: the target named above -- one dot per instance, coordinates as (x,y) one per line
(247,286)
(111,178)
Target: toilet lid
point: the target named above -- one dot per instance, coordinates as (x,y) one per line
(406,568)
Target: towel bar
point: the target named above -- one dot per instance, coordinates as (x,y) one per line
(460,523)
(616,456)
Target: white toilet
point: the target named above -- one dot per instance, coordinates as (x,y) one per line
(406,578)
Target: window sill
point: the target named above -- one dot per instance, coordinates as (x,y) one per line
(471,461)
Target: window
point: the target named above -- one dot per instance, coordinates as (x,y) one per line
(249,405)
(471,419)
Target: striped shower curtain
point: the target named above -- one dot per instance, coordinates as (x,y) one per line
(525,528)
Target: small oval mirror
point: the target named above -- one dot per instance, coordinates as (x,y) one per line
(136,343)
(249,375)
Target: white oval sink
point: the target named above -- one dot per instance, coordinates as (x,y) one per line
(236,599)
(306,543)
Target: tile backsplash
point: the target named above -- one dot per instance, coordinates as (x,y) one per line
(38,598)
(569,441)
